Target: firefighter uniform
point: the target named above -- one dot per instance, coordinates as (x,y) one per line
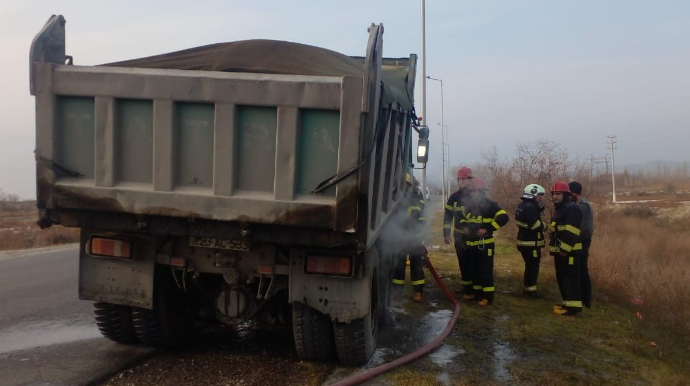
(453,213)
(530,236)
(412,241)
(566,248)
(481,213)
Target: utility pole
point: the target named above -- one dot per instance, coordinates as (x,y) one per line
(422,66)
(612,143)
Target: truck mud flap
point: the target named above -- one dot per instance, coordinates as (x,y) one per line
(343,299)
(118,281)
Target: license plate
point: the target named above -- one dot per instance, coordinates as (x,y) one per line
(213,242)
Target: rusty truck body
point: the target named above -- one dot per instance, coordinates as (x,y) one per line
(236,181)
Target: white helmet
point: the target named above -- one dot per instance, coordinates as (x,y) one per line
(532,190)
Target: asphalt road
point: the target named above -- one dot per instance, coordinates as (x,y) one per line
(47,335)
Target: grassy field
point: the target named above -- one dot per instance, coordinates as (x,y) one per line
(18,229)
(518,341)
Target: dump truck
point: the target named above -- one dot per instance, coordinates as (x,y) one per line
(242,181)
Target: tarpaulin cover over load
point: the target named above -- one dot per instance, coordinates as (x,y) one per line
(278,57)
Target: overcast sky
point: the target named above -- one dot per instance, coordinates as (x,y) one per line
(572,72)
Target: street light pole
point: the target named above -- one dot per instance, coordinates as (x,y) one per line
(443,142)
(423,91)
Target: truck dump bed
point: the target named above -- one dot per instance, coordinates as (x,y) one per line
(236,132)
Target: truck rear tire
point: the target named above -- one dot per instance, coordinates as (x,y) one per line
(115,322)
(355,342)
(313,333)
(168,323)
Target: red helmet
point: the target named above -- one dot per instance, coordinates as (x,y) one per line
(465,172)
(477,184)
(560,186)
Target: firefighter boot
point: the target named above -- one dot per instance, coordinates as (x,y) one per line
(417,297)
(467,297)
(563,312)
(483,303)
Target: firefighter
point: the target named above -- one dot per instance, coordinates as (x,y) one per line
(482,218)
(566,248)
(412,240)
(530,236)
(453,213)
(587,230)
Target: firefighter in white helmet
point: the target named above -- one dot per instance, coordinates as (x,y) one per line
(530,236)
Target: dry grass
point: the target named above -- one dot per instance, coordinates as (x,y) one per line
(607,344)
(639,257)
(18,229)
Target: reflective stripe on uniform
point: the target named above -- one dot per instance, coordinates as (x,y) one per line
(421,218)
(476,287)
(449,207)
(577,247)
(532,288)
(398,281)
(534,253)
(413,208)
(480,242)
(566,247)
(536,225)
(571,260)
(569,228)
(466,282)
(418,282)
(490,252)
(489,289)
(573,303)
(531,243)
(521,224)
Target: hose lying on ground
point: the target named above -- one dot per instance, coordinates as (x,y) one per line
(376,371)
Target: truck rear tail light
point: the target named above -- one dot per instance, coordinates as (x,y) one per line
(111,248)
(330,265)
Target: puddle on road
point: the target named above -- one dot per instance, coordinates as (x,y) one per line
(444,378)
(502,356)
(433,324)
(45,333)
(445,355)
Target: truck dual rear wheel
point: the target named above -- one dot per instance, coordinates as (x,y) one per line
(313,333)
(168,324)
(115,322)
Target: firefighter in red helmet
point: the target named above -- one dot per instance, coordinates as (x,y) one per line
(482,218)
(453,213)
(566,248)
